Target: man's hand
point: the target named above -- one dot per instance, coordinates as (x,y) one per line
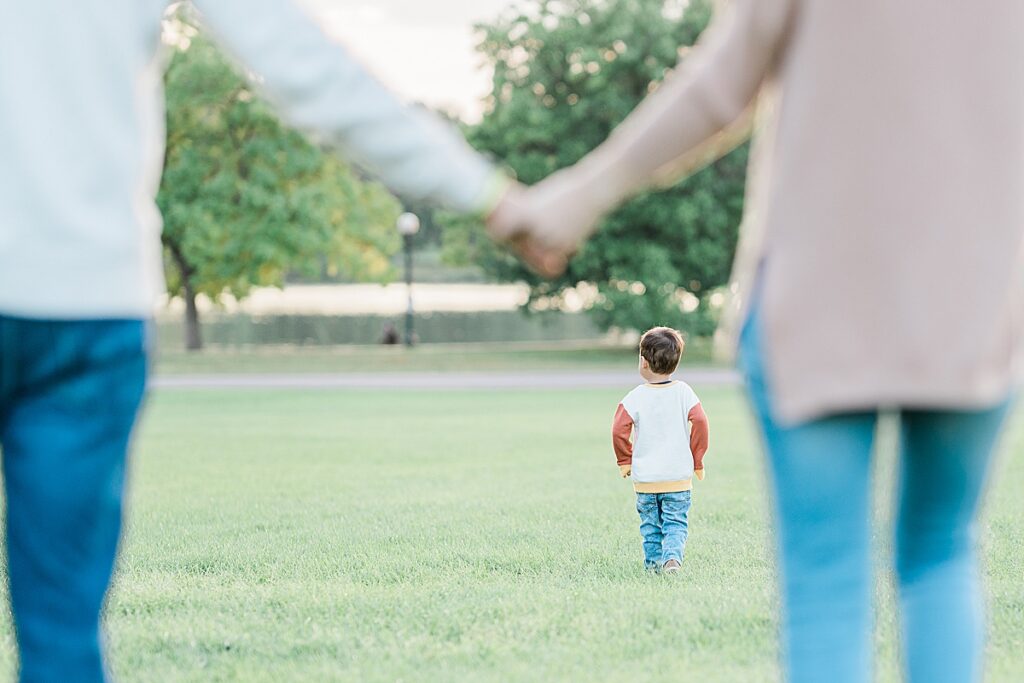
(700,473)
(625,470)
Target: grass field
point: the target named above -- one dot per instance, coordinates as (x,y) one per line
(466,536)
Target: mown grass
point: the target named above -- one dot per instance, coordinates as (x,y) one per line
(463,536)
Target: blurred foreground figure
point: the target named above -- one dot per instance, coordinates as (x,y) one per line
(81,139)
(880,268)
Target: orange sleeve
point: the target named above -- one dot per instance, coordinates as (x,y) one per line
(698,436)
(622,429)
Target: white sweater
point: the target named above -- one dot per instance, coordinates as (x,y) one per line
(82,138)
(664,452)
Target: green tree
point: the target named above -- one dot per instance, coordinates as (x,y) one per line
(566,72)
(246,200)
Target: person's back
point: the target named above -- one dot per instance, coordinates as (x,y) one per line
(662,460)
(888,165)
(916,110)
(80,128)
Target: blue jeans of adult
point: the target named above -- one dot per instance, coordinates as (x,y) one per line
(663,525)
(69,395)
(820,477)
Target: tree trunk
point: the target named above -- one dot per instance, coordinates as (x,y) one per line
(193,340)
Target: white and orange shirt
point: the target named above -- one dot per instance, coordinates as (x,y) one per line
(660,432)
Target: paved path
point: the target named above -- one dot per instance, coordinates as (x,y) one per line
(532,379)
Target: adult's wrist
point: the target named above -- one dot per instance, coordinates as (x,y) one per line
(497,184)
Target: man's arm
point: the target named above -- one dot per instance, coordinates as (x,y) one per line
(622,429)
(699,435)
(319,87)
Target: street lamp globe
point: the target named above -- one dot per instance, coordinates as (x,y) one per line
(408,224)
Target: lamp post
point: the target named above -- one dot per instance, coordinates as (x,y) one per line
(408,225)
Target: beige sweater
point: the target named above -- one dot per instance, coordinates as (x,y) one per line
(886,202)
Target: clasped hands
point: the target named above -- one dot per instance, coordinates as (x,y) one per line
(547,223)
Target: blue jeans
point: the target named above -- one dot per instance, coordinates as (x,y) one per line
(820,477)
(69,395)
(663,525)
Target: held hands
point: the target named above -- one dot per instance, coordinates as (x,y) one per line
(545,224)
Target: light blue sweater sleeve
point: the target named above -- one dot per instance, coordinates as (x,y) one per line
(320,88)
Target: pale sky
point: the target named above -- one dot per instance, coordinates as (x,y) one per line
(422,49)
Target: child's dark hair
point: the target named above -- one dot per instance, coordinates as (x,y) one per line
(662,347)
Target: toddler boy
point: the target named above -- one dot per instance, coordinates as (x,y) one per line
(669,438)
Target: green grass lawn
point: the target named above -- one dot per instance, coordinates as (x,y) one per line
(458,536)
(428,357)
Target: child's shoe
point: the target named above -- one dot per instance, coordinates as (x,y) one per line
(671,567)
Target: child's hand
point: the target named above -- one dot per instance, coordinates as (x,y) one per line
(625,470)
(700,473)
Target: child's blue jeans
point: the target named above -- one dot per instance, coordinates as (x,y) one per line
(663,524)
(820,475)
(69,394)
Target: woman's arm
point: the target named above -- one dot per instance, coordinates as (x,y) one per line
(709,92)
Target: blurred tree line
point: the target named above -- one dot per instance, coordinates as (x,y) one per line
(247,200)
(566,72)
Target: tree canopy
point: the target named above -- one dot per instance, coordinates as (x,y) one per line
(566,72)
(247,200)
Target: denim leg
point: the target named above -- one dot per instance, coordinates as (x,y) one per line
(650,528)
(65,440)
(945,460)
(819,473)
(675,508)
(8,366)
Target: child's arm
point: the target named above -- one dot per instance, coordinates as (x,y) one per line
(622,429)
(698,438)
